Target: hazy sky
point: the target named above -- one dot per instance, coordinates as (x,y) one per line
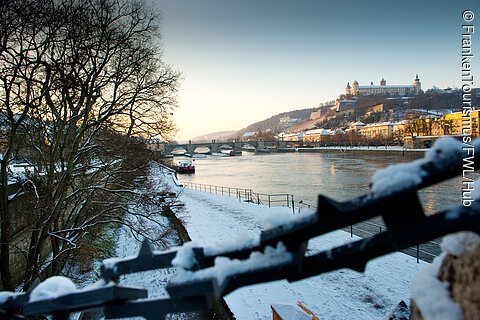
(243,61)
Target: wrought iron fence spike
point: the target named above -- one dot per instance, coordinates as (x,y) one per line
(146,248)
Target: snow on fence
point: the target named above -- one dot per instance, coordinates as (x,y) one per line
(204,273)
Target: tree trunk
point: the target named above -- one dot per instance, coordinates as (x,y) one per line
(5,216)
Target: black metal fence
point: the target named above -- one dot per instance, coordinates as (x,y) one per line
(426,252)
(247,195)
(195,288)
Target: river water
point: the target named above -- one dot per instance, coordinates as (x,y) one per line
(341,176)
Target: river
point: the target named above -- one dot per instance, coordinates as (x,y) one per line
(340,176)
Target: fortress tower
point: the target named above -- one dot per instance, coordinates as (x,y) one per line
(348,89)
(355,88)
(417,85)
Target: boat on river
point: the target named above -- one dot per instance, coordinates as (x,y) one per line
(186,166)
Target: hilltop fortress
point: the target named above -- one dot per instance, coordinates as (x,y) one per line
(383,89)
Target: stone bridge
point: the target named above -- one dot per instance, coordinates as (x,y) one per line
(215,146)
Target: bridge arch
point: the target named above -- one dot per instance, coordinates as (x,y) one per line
(248,146)
(202,149)
(225,147)
(178,151)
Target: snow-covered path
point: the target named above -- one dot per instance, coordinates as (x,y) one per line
(212,220)
(344,294)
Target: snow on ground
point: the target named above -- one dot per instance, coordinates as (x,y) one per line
(128,244)
(344,294)
(212,220)
(155,281)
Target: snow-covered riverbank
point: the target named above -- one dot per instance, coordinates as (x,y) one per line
(344,294)
(216,222)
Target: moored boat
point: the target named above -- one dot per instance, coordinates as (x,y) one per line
(186,166)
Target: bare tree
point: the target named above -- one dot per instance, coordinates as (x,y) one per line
(24,38)
(445,126)
(416,126)
(91,82)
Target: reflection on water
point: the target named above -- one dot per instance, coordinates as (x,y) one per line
(341,176)
(332,169)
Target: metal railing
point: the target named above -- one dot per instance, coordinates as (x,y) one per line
(426,252)
(247,195)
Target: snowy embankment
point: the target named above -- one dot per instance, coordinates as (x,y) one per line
(213,220)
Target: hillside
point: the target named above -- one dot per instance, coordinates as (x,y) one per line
(277,123)
(221,135)
(299,120)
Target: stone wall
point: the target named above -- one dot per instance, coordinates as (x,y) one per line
(462,271)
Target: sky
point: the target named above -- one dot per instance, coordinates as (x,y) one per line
(244,61)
